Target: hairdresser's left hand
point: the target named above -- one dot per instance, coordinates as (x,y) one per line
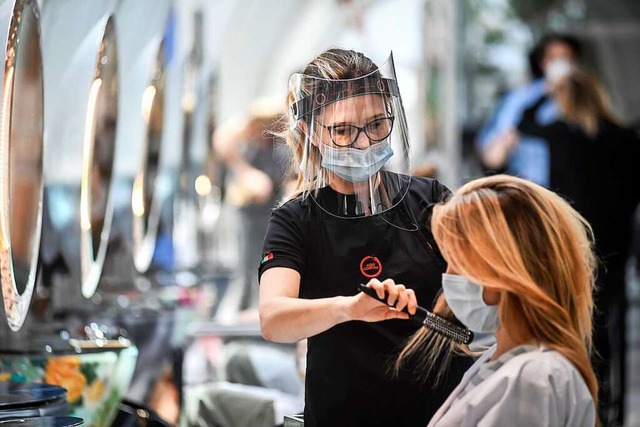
(363,307)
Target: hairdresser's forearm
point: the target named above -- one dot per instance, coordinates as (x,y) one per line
(286,319)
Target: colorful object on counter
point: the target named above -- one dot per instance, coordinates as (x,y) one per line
(95,380)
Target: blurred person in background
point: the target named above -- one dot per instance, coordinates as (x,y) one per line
(355,216)
(520,266)
(258,164)
(594,164)
(499,146)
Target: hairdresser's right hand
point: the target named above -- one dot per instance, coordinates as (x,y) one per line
(363,307)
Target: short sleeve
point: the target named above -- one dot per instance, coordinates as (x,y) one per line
(284,242)
(440,192)
(425,193)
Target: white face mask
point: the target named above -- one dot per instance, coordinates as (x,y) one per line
(465,300)
(354,165)
(557,69)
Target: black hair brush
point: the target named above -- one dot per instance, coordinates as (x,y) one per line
(429,320)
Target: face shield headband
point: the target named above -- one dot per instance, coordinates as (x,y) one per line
(330,91)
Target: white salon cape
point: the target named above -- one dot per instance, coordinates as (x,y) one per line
(527,386)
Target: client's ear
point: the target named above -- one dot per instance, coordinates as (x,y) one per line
(490,296)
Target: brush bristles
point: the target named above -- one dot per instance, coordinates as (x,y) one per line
(447,329)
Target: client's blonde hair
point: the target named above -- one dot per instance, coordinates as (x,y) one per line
(528,244)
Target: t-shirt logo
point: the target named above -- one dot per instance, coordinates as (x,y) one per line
(370,266)
(266,258)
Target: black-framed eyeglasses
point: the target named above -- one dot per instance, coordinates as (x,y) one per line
(344,135)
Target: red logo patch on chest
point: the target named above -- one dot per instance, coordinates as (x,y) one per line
(370,267)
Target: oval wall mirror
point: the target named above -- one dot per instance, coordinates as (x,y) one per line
(137,173)
(146,209)
(21,151)
(81,83)
(197,199)
(98,162)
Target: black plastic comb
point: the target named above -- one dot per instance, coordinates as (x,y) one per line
(429,320)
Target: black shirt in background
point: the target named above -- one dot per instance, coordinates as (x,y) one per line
(599,175)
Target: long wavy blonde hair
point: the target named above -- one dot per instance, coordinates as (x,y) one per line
(528,244)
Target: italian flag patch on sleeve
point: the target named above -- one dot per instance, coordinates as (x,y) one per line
(267,257)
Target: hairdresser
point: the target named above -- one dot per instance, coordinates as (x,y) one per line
(356,216)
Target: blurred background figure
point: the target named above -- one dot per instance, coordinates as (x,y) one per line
(259,169)
(499,145)
(593,164)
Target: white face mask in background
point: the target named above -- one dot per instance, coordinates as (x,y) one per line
(465,300)
(557,69)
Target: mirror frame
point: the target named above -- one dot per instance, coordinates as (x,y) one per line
(145,204)
(92,261)
(16,304)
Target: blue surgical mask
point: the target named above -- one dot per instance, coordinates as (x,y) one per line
(465,300)
(355,165)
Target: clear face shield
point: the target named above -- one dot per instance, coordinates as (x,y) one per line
(354,140)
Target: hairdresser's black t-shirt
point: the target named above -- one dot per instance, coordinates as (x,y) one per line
(348,379)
